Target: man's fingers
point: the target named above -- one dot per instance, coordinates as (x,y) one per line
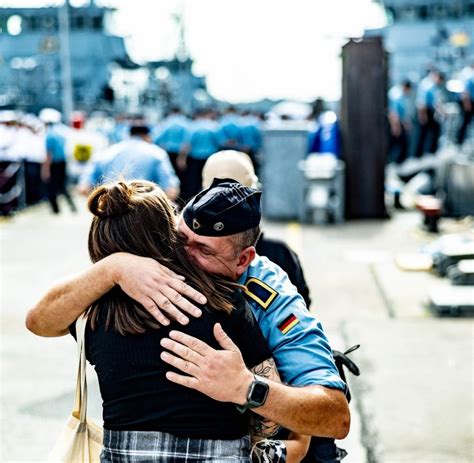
(180,364)
(193,343)
(182,351)
(186,290)
(187,381)
(224,340)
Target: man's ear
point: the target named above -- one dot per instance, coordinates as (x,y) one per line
(246,257)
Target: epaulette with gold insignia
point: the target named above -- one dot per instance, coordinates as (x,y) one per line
(260,292)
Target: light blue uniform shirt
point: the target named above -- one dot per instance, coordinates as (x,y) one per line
(230,129)
(469,87)
(173,133)
(295,337)
(133,159)
(428,94)
(120,132)
(398,103)
(55,145)
(203,139)
(250,133)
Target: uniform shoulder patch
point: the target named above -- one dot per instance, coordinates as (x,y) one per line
(288,323)
(260,292)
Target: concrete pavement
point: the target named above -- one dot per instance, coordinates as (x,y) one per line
(413,401)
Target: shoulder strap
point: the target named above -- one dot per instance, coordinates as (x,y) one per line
(80,402)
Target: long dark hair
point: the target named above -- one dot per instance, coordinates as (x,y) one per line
(136,217)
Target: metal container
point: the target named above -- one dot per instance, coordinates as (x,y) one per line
(282,181)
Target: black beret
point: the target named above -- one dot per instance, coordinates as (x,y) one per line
(223,209)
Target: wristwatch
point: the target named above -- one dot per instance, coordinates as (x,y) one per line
(256,395)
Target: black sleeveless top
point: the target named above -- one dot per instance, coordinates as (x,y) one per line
(136,394)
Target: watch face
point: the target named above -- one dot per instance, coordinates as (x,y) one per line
(259,392)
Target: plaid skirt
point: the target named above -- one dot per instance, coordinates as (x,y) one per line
(144,446)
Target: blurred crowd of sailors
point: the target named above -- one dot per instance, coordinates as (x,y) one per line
(420,114)
(40,155)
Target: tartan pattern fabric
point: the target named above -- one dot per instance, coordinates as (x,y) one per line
(144,446)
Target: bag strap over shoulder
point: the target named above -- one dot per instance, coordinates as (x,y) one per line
(80,402)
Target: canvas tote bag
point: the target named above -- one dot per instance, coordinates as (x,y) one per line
(81,439)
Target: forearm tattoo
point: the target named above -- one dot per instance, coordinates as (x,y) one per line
(266,369)
(260,427)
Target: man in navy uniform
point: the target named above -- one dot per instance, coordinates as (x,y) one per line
(429,97)
(54,169)
(135,158)
(202,142)
(238,166)
(400,121)
(221,226)
(172,137)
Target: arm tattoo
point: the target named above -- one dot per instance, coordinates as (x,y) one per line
(260,427)
(266,369)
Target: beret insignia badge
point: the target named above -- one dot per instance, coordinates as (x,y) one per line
(218,226)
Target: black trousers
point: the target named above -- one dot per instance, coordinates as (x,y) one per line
(57,185)
(428,136)
(192,181)
(466,120)
(34,186)
(398,146)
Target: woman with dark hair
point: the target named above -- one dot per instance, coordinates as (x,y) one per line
(146,417)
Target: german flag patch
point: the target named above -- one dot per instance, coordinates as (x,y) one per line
(288,323)
(260,292)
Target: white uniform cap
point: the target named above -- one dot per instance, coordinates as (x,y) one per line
(50,116)
(31,121)
(8,116)
(229,164)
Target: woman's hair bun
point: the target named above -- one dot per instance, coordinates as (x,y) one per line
(111,199)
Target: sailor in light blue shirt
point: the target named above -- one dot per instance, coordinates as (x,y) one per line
(295,337)
(134,158)
(174,132)
(202,143)
(203,139)
(429,98)
(55,144)
(230,130)
(251,134)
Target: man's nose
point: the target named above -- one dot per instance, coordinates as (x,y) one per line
(190,250)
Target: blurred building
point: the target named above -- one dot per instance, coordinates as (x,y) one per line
(173,83)
(103,75)
(30,64)
(423,33)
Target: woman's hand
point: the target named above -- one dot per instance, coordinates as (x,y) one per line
(162,292)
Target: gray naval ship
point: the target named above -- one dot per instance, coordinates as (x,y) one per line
(102,73)
(30,65)
(423,33)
